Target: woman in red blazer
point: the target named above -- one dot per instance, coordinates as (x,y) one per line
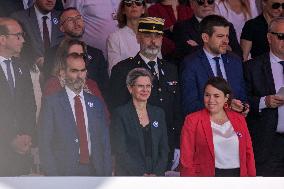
(215,141)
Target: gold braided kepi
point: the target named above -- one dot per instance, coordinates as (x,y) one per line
(151,25)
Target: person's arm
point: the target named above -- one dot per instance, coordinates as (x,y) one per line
(113,51)
(187,148)
(246,47)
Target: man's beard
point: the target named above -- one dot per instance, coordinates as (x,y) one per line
(76,85)
(151,51)
(76,35)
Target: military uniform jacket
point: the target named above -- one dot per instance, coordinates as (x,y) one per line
(165,92)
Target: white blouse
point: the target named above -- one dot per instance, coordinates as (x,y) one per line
(121,45)
(226,146)
(238,20)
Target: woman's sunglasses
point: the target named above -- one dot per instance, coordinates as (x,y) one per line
(202,2)
(136,2)
(277,5)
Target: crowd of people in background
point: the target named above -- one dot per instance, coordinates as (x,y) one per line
(142,87)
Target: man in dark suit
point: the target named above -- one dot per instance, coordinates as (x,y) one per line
(264,78)
(187,34)
(8,7)
(73,136)
(212,60)
(17,103)
(165,92)
(72,25)
(41,24)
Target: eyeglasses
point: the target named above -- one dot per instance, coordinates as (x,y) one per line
(277,5)
(75,19)
(18,35)
(141,87)
(129,3)
(202,2)
(280,36)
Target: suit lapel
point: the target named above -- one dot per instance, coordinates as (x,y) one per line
(35,28)
(266,68)
(3,80)
(65,104)
(134,120)
(205,63)
(227,66)
(206,124)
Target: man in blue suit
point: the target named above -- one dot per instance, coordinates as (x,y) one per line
(73,136)
(212,60)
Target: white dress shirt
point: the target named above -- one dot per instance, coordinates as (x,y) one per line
(226,146)
(121,45)
(212,63)
(71,96)
(4,68)
(39,16)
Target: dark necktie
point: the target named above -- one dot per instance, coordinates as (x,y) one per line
(152,68)
(30,3)
(219,73)
(46,40)
(282,63)
(9,75)
(79,113)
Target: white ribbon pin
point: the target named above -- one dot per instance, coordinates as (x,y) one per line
(55,21)
(156,124)
(91,105)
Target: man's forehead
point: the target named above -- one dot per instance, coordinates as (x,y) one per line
(70,13)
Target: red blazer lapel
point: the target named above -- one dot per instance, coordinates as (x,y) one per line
(206,124)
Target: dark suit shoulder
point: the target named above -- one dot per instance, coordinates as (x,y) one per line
(258,61)
(94,51)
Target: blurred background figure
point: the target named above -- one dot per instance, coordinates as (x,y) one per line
(253,38)
(17,103)
(237,12)
(100,18)
(123,44)
(172,11)
(215,141)
(139,131)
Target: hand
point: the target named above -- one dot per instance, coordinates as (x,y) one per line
(39,62)
(176,159)
(192,43)
(273,101)
(240,107)
(22,144)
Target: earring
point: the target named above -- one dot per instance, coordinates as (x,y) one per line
(226,105)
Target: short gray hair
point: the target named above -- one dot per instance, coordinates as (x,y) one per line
(135,73)
(275,21)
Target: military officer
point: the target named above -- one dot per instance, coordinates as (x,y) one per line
(165,92)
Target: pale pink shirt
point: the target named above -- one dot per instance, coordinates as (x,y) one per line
(238,20)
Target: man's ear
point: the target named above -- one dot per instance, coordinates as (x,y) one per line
(205,37)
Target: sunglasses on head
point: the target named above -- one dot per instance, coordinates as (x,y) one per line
(277,5)
(202,2)
(280,36)
(129,3)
